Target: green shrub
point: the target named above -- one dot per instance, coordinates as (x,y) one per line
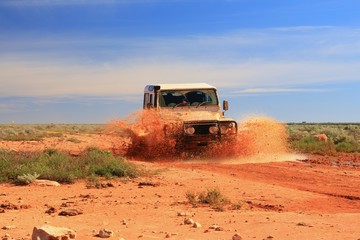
(5,163)
(27,178)
(59,166)
(103,163)
(348,147)
(213,197)
(342,137)
(311,145)
(36,132)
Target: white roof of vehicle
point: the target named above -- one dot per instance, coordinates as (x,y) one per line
(184,86)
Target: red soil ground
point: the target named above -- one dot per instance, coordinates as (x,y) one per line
(317,198)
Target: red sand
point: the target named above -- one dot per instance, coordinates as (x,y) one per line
(277,199)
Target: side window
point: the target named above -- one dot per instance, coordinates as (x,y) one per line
(148,100)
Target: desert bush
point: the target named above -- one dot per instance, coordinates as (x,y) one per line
(311,145)
(213,197)
(36,132)
(296,134)
(14,133)
(191,197)
(103,163)
(27,178)
(59,166)
(342,137)
(348,147)
(5,162)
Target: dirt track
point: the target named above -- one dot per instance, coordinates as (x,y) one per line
(314,199)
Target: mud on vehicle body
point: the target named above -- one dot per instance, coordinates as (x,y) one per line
(195,108)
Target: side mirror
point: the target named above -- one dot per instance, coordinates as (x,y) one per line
(225,105)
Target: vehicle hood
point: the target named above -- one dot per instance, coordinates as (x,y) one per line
(194,115)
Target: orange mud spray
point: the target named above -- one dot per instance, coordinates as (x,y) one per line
(149,136)
(144,135)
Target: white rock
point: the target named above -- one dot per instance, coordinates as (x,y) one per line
(46,232)
(197,225)
(46,183)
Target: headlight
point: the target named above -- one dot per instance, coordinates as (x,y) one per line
(228,128)
(213,129)
(232,128)
(224,129)
(189,130)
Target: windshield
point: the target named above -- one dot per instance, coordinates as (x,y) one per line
(174,98)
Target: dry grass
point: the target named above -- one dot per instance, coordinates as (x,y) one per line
(36,132)
(341,137)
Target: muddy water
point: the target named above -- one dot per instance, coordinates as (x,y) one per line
(259,139)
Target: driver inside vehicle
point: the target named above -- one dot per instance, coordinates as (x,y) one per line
(184,102)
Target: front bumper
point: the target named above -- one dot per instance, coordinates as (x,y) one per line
(203,133)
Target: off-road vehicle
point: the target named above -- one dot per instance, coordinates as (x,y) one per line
(195,108)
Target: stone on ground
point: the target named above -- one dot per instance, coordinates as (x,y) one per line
(105,233)
(48,183)
(47,232)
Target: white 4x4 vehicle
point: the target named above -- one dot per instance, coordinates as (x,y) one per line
(197,110)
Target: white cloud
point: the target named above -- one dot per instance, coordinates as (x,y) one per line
(250,59)
(296,43)
(250,91)
(48,79)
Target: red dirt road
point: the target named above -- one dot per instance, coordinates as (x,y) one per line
(314,199)
(336,188)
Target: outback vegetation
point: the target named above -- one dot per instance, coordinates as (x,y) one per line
(36,132)
(24,167)
(212,197)
(284,195)
(341,137)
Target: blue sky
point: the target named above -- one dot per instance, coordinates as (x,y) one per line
(87,61)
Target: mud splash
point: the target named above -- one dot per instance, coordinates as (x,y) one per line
(147,135)
(259,134)
(144,136)
(260,139)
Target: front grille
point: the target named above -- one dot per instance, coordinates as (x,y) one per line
(201,128)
